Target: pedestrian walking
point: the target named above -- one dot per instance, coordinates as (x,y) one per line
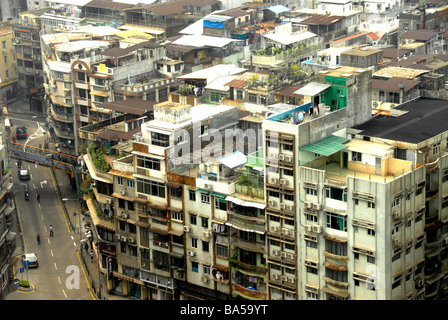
(91,256)
(51,230)
(38,197)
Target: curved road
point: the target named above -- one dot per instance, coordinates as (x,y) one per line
(60,275)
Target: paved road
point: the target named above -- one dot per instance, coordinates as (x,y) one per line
(60,275)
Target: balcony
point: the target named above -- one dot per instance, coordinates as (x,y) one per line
(141,88)
(248,293)
(247,244)
(236,264)
(244,222)
(336,260)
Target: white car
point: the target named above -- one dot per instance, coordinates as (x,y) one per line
(24,175)
(31,258)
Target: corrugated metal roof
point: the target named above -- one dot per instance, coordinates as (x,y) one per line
(322,19)
(312,89)
(326,146)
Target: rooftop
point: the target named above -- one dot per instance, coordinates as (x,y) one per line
(424,119)
(399,72)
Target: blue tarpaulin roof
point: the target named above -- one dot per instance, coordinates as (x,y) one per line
(278,9)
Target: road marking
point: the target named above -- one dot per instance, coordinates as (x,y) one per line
(74,243)
(31,175)
(35,165)
(72,238)
(59,280)
(55,266)
(39,206)
(64,294)
(52,253)
(43,182)
(48,240)
(42,216)
(45,227)
(34,186)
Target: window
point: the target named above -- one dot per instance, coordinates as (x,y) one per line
(252,98)
(220,204)
(176,215)
(150,187)
(288,147)
(204,222)
(205,246)
(435,147)
(239,95)
(221,250)
(310,191)
(289,197)
(176,192)
(205,198)
(193,219)
(159,139)
(120,180)
(206,269)
(148,163)
(194,266)
(192,194)
(336,193)
(130,183)
(336,221)
(194,243)
(204,128)
(356,156)
(288,172)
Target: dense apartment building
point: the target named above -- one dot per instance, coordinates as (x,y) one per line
(8,63)
(29,57)
(7,208)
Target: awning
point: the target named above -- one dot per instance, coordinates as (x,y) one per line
(312,89)
(173,185)
(218,195)
(234,200)
(253,204)
(326,146)
(233,160)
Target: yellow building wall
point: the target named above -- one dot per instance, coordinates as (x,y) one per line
(7,50)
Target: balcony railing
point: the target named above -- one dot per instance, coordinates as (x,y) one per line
(251,294)
(254,245)
(247,267)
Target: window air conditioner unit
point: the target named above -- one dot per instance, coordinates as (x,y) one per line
(123,238)
(396,215)
(275,252)
(123,192)
(288,158)
(191,253)
(316,206)
(282,206)
(290,256)
(206,234)
(179,274)
(273,155)
(276,276)
(108,201)
(130,240)
(186,228)
(308,228)
(275,228)
(395,241)
(284,278)
(290,207)
(125,215)
(274,180)
(307,204)
(283,182)
(281,157)
(316,229)
(291,280)
(208,186)
(286,231)
(204,279)
(272,203)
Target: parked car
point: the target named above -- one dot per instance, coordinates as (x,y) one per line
(31,258)
(24,175)
(21,133)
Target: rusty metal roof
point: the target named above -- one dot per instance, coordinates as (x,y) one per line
(322,19)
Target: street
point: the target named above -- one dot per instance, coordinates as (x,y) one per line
(60,275)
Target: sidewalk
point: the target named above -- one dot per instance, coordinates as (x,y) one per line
(96,279)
